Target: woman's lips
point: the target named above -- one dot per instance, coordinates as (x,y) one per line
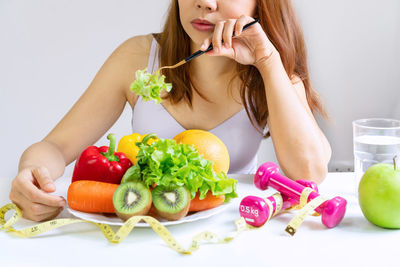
(202,25)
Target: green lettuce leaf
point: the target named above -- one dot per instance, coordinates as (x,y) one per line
(170,164)
(149,86)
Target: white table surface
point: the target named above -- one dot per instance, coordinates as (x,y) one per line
(355,242)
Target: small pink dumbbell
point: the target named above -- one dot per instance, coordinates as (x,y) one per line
(256,211)
(332,211)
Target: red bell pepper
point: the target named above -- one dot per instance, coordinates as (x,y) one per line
(101,164)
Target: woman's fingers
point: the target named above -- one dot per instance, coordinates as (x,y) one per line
(240,23)
(31,210)
(228,40)
(28,192)
(205,44)
(228,32)
(42,176)
(217,36)
(25,182)
(34,194)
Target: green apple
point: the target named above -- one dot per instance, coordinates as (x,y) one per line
(379,195)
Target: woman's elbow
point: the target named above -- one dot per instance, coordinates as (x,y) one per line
(317,172)
(311,169)
(316,168)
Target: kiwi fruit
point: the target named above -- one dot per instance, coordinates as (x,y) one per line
(130,199)
(171,203)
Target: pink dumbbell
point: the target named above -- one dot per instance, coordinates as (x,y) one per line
(332,211)
(256,211)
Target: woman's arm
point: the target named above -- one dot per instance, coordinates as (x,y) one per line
(301,148)
(91,116)
(103,102)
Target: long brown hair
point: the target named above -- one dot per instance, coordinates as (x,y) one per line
(278,19)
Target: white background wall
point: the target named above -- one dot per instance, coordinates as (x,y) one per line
(354,58)
(51,50)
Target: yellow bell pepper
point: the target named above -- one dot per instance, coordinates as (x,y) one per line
(127,145)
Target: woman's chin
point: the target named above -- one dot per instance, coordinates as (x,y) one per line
(197,38)
(196,42)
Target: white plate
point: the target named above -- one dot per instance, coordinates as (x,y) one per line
(114,220)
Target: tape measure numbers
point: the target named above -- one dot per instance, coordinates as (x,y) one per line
(122,232)
(241,225)
(305,208)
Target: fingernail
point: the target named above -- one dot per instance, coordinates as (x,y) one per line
(62,203)
(202,46)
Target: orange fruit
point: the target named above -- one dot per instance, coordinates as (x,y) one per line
(208,145)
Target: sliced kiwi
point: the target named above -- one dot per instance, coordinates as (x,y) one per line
(130,199)
(171,203)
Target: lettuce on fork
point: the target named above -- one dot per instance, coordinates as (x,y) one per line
(149,86)
(169,164)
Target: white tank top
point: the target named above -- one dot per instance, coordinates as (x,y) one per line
(237,132)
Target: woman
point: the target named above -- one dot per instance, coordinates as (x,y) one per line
(248,87)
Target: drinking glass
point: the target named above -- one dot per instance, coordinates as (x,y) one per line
(375,141)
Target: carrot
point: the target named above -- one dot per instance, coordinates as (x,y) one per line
(152,211)
(209,202)
(91,196)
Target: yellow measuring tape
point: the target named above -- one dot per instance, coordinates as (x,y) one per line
(122,232)
(241,225)
(306,209)
(278,205)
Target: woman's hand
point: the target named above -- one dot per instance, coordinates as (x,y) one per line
(30,191)
(249,47)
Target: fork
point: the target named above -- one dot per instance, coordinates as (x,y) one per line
(200,52)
